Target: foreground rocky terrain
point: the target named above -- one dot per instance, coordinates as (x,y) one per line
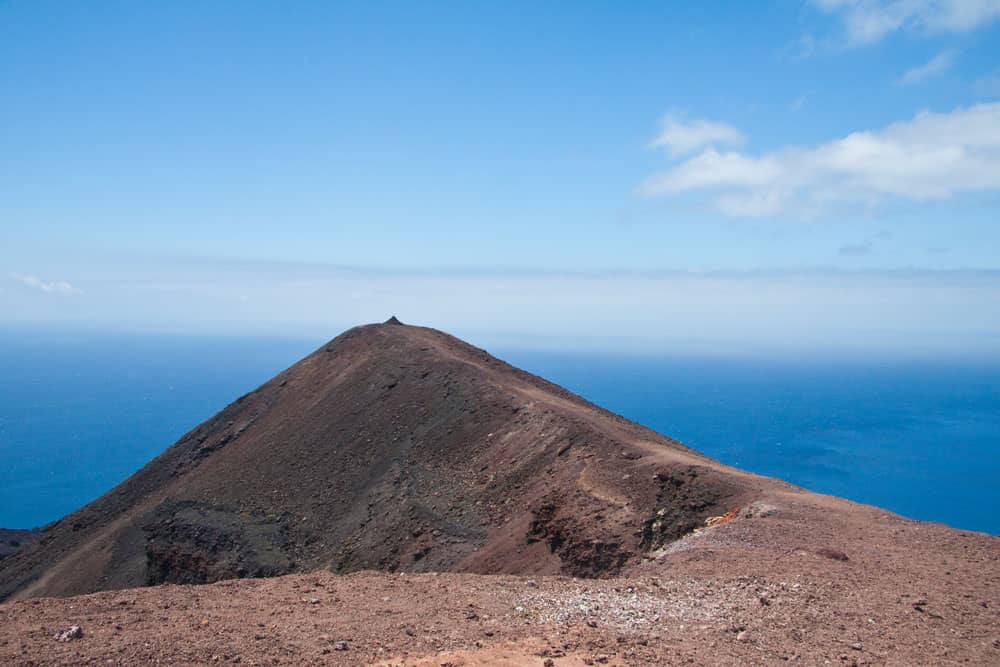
(727,595)
(414,501)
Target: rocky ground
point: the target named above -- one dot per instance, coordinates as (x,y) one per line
(699,603)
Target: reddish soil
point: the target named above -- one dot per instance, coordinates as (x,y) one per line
(546,529)
(712,602)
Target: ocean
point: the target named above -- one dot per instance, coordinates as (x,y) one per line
(80,412)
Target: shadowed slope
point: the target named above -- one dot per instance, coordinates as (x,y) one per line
(13,539)
(395,448)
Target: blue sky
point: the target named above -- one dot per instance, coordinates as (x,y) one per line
(804,173)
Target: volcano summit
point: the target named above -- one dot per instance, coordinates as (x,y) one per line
(401,449)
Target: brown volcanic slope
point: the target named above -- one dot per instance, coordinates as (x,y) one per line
(13,539)
(401,448)
(393,448)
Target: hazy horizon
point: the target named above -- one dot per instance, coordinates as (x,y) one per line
(905,313)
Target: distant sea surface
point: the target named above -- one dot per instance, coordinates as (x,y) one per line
(79,413)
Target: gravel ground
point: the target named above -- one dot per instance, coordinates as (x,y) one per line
(426,619)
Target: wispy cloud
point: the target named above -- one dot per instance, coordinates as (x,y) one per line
(682,137)
(893,312)
(865,247)
(939,64)
(804,47)
(932,156)
(48,286)
(855,249)
(868,21)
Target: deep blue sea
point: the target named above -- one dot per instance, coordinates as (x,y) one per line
(79,413)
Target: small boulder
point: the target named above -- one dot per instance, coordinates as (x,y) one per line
(758,510)
(833,554)
(69,634)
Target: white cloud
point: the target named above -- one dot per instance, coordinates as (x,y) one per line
(682,137)
(867,21)
(51,287)
(936,65)
(932,156)
(711,168)
(750,205)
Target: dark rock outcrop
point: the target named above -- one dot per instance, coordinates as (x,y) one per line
(12,540)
